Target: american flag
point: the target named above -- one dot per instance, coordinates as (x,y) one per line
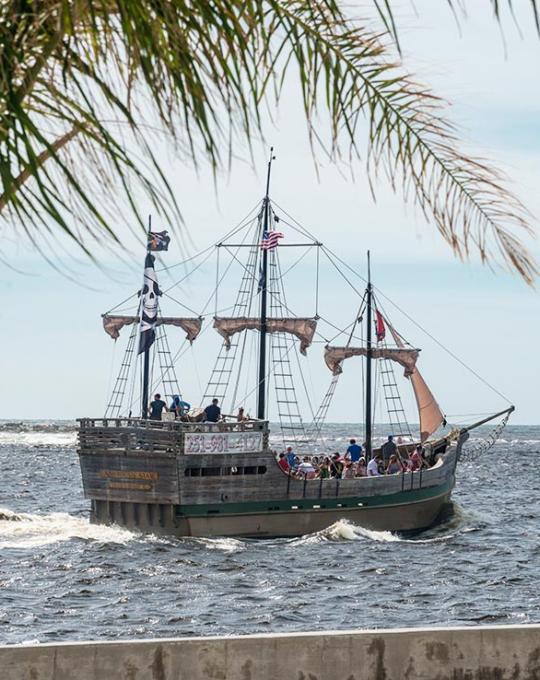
(270,239)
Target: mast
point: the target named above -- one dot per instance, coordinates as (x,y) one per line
(146,356)
(261,398)
(369,296)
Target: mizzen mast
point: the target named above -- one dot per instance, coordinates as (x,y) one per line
(368,415)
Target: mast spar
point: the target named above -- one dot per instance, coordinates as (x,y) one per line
(368,415)
(261,398)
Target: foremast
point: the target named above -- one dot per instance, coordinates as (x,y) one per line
(146,353)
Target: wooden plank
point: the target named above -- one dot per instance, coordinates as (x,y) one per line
(148,479)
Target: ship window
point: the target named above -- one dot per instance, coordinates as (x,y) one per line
(211,472)
(225,471)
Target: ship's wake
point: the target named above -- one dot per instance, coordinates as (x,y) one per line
(22,530)
(343,530)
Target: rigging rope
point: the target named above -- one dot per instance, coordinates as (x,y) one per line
(317,284)
(471,454)
(280,283)
(244,222)
(432,337)
(347,266)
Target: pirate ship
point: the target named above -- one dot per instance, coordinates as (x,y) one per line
(189,477)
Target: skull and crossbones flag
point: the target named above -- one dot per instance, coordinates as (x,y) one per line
(149,305)
(158,240)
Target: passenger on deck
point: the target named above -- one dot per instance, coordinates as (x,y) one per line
(212,412)
(324,468)
(156,407)
(282,462)
(388,448)
(361,468)
(394,466)
(373,466)
(306,469)
(417,459)
(354,451)
(179,407)
(406,463)
(336,466)
(240,417)
(290,456)
(348,472)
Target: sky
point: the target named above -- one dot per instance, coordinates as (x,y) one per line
(58,363)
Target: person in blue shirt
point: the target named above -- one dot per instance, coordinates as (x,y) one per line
(212,413)
(156,407)
(291,456)
(354,451)
(179,407)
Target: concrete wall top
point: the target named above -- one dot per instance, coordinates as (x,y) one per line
(459,653)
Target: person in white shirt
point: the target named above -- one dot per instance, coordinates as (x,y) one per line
(373,467)
(306,469)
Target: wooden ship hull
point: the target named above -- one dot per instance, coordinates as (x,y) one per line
(223,480)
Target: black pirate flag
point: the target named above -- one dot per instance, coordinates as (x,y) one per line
(149,305)
(158,240)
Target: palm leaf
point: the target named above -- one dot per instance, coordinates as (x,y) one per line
(200,72)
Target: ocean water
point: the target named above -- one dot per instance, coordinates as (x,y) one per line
(62,578)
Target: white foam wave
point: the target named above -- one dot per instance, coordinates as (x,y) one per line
(224,544)
(21,530)
(379,536)
(343,530)
(38,439)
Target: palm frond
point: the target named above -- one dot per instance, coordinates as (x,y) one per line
(459,10)
(201,71)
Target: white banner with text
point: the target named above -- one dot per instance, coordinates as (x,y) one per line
(223,442)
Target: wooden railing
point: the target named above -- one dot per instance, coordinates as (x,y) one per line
(173,425)
(138,436)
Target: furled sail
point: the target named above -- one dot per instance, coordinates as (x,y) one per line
(430,414)
(113,324)
(334,357)
(303,329)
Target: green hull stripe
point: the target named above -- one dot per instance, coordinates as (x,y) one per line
(400,498)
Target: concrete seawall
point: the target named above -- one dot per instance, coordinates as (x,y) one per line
(479,653)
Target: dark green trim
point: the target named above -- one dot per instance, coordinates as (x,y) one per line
(306,504)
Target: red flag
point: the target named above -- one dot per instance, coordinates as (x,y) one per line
(380,329)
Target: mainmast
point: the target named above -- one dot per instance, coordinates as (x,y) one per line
(261,406)
(368,415)
(146,355)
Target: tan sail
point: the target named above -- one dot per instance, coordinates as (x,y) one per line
(113,324)
(429,412)
(303,329)
(334,357)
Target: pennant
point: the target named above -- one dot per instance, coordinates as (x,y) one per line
(158,240)
(380,329)
(149,305)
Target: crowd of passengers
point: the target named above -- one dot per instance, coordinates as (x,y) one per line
(388,461)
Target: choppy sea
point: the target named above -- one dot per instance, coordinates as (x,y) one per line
(62,578)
